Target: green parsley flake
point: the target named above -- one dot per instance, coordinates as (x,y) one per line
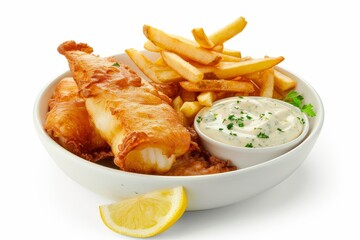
(262,135)
(230,126)
(249,145)
(116,64)
(231,117)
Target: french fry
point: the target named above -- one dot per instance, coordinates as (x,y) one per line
(182,67)
(231,52)
(143,63)
(165,74)
(228,31)
(201,38)
(176,45)
(156,73)
(245,67)
(160,61)
(218,48)
(177,103)
(283,82)
(229,58)
(267,87)
(206,98)
(253,76)
(190,109)
(148,45)
(217,85)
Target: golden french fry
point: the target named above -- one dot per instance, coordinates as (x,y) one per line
(190,109)
(176,45)
(201,38)
(228,58)
(253,76)
(165,74)
(177,103)
(182,67)
(231,52)
(228,31)
(148,45)
(245,67)
(143,63)
(283,82)
(156,73)
(218,48)
(267,87)
(217,85)
(160,61)
(206,98)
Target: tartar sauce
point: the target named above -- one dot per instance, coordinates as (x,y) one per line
(253,122)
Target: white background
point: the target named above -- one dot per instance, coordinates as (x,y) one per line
(320,42)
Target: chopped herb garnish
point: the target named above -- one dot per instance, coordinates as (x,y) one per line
(262,115)
(231,117)
(116,64)
(248,117)
(262,135)
(280,130)
(199,119)
(220,129)
(240,123)
(249,145)
(296,99)
(233,134)
(230,126)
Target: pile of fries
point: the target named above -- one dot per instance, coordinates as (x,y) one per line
(206,71)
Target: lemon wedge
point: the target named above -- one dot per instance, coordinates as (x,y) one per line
(145,215)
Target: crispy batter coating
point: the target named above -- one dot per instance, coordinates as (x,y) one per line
(143,130)
(68,123)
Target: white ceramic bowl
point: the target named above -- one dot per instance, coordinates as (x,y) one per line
(243,157)
(203,192)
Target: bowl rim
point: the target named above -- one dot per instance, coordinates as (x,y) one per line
(38,124)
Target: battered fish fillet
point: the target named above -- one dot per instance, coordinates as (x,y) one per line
(68,123)
(143,130)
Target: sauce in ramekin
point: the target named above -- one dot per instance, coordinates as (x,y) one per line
(252,122)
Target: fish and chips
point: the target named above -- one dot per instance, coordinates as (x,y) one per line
(107,110)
